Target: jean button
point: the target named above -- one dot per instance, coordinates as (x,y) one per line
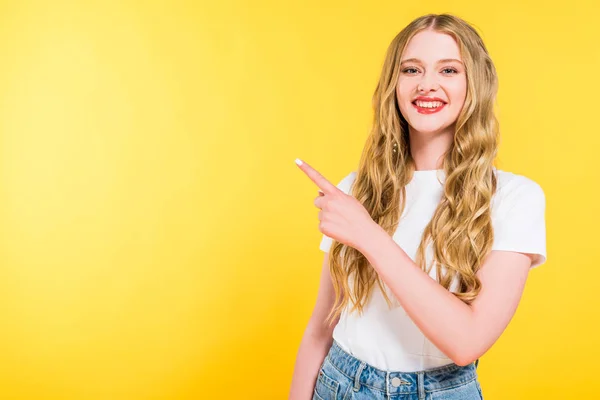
(396,382)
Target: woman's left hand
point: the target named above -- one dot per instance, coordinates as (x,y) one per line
(342,217)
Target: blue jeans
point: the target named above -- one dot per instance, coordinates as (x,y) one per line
(343,377)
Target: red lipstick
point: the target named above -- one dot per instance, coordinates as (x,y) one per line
(423,110)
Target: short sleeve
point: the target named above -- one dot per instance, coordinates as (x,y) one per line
(519,223)
(344,185)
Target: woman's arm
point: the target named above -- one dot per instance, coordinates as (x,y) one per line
(316,341)
(460,331)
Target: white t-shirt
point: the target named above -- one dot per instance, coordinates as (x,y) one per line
(387,338)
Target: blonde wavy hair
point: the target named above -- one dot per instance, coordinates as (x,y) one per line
(461,228)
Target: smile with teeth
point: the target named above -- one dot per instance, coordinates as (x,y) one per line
(428,104)
(428,107)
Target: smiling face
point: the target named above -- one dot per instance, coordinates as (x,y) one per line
(431,89)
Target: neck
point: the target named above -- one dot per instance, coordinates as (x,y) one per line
(428,148)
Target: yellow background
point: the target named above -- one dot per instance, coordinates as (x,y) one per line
(157,240)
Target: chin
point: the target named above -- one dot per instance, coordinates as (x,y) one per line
(429,128)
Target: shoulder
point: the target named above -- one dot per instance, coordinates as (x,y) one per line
(346,183)
(515,189)
(518,216)
(511,189)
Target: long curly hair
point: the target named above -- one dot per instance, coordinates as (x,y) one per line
(460,230)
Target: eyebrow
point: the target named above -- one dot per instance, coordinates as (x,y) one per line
(445,60)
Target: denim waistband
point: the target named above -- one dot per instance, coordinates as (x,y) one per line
(393,382)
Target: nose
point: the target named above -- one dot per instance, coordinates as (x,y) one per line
(428,82)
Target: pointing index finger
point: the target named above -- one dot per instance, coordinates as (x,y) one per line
(323,184)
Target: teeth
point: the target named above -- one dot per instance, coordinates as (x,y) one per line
(428,104)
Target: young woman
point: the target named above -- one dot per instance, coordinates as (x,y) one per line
(428,245)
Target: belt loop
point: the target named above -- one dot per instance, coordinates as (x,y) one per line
(421,385)
(387,384)
(357,376)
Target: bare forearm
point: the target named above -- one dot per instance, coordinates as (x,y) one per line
(311,353)
(443,318)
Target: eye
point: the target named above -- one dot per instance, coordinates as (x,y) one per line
(406,70)
(450,69)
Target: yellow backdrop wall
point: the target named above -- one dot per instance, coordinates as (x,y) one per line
(157,240)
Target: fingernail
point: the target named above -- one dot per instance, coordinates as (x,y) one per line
(298,161)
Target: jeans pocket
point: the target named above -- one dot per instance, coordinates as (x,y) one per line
(326,388)
(465,391)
